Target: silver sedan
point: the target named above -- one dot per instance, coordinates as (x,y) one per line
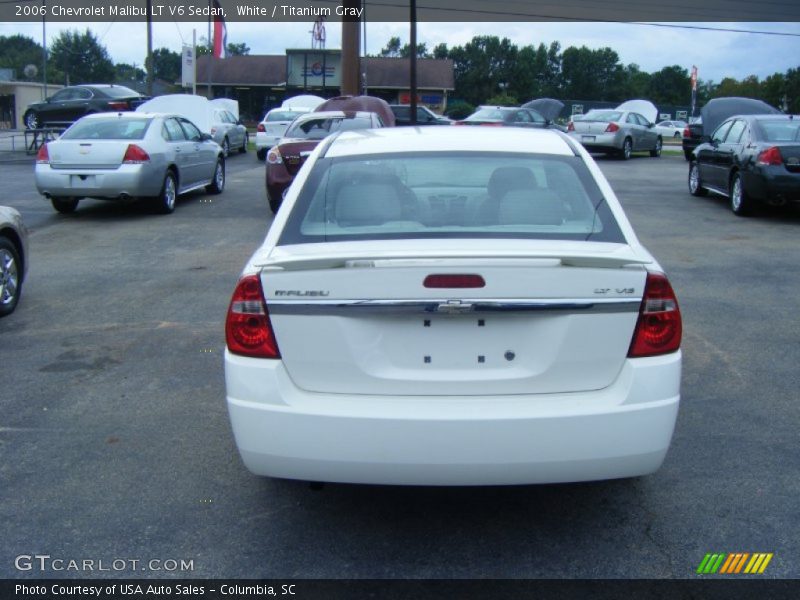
(13,258)
(616,131)
(118,156)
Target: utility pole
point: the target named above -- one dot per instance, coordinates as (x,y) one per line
(351,68)
(149,60)
(413,59)
(44,47)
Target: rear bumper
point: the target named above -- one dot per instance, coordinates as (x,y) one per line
(265,141)
(600,142)
(126,180)
(773,184)
(623,430)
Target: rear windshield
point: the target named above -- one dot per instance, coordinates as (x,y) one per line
(107,129)
(316,129)
(486,114)
(602,115)
(282,115)
(118,91)
(779,130)
(450,195)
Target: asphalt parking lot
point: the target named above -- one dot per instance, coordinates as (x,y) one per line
(116,443)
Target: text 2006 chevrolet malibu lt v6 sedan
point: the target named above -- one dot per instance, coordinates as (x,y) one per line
(437,308)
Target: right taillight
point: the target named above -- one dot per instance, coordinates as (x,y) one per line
(248,330)
(135,155)
(686,132)
(570,126)
(771,156)
(42,156)
(261,128)
(658,330)
(612,128)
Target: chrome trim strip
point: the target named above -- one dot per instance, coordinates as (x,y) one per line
(449,306)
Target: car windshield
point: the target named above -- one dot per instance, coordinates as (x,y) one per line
(107,129)
(316,129)
(780,130)
(483,114)
(118,91)
(282,115)
(602,115)
(450,195)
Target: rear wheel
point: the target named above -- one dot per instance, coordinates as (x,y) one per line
(64,205)
(165,201)
(218,183)
(226,147)
(10,277)
(261,154)
(677,135)
(245,141)
(741,203)
(695,183)
(627,148)
(274,203)
(31,120)
(656,152)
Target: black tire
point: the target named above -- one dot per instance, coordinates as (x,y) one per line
(10,276)
(168,197)
(217,184)
(246,141)
(64,205)
(687,155)
(695,181)
(261,154)
(656,152)
(627,149)
(226,147)
(677,135)
(274,203)
(741,203)
(31,120)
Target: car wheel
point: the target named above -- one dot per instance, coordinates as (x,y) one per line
(656,152)
(10,277)
(31,120)
(246,141)
(165,201)
(226,147)
(695,183)
(218,182)
(274,203)
(261,154)
(627,148)
(678,135)
(64,205)
(741,204)
(687,155)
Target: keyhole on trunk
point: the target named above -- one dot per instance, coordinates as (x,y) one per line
(510,355)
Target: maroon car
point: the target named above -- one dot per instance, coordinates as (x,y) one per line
(306,131)
(361,104)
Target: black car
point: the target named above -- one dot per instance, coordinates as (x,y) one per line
(425,116)
(715,112)
(750,159)
(71,103)
(508,116)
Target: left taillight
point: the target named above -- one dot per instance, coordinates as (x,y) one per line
(659,328)
(248,330)
(135,155)
(118,105)
(274,156)
(42,156)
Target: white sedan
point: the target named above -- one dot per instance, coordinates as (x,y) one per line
(434,308)
(671,129)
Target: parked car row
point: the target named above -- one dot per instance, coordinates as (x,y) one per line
(71,103)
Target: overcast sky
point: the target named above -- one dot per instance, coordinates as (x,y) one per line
(717,54)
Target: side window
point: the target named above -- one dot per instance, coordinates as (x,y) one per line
(403,113)
(82,94)
(735,132)
(536,117)
(61,95)
(522,116)
(631,119)
(720,132)
(192,132)
(642,121)
(173,130)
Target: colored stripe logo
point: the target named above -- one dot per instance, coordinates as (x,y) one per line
(734,563)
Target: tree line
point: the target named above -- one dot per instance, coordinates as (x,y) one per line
(79,57)
(490,70)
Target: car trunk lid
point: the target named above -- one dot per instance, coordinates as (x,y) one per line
(86,154)
(294,153)
(526,322)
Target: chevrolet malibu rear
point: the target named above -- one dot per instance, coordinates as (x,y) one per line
(431,308)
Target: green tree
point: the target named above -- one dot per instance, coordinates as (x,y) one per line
(670,85)
(773,89)
(792,90)
(392,48)
(440,51)
(203,47)
(422,51)
(19,51)
(167,65)
(81,58)
(481,65)
(126,72)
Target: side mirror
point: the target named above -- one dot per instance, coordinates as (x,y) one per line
(651,125)
(204,137)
